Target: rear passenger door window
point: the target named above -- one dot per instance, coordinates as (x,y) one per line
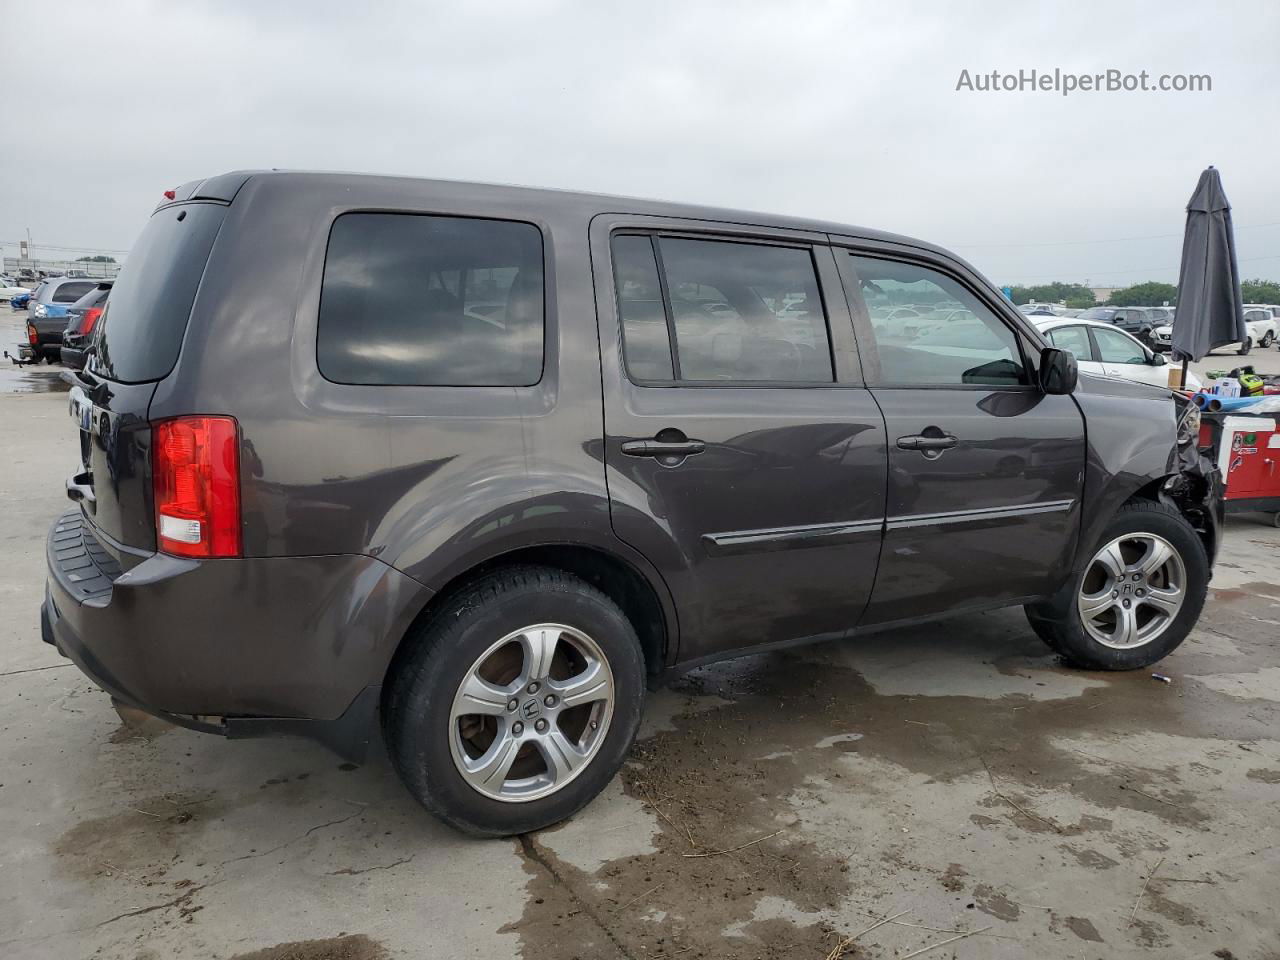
(1073,338)
(713,311)
(414,300)
(931,331)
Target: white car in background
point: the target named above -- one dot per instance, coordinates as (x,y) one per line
(9,289)
(1105,351)
(1261,322)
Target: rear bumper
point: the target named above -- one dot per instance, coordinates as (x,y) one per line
(49,330)
(240,647)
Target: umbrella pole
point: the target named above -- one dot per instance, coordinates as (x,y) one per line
(1184,374)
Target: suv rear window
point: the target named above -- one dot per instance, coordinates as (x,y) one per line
(142,327)
(414,300)
(71,292)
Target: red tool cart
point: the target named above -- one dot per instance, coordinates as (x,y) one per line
(1247,449)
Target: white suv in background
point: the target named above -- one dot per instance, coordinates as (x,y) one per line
(1262,322)
(1106,351)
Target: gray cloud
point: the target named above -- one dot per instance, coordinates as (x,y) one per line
(839,110)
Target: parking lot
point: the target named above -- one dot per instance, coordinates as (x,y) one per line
(945,782)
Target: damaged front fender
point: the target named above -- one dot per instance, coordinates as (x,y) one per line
(1197,492)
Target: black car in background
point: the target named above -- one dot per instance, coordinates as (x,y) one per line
(82,317)
(1138,321)
(48,311)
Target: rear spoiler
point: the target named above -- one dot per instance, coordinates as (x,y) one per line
(222,189)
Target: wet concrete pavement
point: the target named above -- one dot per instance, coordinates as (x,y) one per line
(953,777)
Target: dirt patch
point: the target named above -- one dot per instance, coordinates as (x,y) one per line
(1090,858)
(1264,775)
(350,947)
(1082,928)
(134,844)
(995,903)
(953,878)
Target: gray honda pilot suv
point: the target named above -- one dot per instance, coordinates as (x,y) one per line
(479,464)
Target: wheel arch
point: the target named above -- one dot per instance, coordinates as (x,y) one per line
(1188,494)
(640,593)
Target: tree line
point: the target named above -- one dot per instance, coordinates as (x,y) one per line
(1149,294)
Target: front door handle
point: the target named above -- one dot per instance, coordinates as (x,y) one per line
(662,448)
(928,443)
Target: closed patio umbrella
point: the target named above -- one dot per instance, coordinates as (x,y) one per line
(1210,311)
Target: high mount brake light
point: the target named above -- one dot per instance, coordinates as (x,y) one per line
(196,478)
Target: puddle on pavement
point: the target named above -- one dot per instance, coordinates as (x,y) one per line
(35,378)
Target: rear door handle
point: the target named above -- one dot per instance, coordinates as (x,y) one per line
(919,441)
(662,448)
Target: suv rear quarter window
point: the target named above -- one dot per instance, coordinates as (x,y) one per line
(419,300)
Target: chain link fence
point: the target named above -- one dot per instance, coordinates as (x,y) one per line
(28,268)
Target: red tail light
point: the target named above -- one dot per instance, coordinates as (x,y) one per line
(196,471)
(33,338)
(89,319)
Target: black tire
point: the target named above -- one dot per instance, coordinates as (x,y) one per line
(1245,347)
(1267,340)
(441,652)
(1057,620)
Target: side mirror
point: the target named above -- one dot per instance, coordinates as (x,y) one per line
(1159,360)
(1058,371)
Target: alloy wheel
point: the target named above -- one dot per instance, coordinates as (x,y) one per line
(531,712)
(1132,590)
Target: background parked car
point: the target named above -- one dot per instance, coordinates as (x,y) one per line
(1262,325)
(1139,321)
(49,304)
(82,317)
(10,288)
(1273,314)
(1104,351)
(1034,309)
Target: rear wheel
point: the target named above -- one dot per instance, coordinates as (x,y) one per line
(1135,599)
(516,703)
(1267,340)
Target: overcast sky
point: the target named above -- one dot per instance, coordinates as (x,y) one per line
(842,110)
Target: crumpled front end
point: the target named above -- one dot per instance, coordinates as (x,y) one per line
(1197,490)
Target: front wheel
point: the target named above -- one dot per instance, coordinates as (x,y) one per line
(1267,340)
(1136,597)
(516,703)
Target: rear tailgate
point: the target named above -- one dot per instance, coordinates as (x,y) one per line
(135,344)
